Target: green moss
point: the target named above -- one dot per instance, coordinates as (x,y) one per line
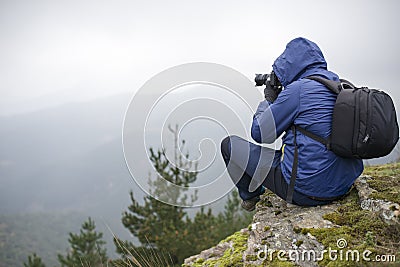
(392,169)
(281,264)
(276,263)
(200,260)
(363,229)
(277,212)
(266,228)
(297,230)
(299,243)
(251,257)
(269,193)
(232,256)
(370,239)
(267,203)
(387,189)
(304,231)
(385,179)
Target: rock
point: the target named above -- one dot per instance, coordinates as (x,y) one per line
(387,210)
(214,252)
(283,232)
(276,227)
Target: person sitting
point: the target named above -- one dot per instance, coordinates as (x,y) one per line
(321,176)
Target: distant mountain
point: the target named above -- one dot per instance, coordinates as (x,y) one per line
(63,158)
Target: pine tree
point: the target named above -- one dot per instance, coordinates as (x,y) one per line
(34,261)
(87,247)
(158,225)
(162,228)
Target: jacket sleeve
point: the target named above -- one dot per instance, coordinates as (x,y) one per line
(271,120)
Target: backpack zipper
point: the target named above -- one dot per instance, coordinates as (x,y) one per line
(356,129)
(368,121)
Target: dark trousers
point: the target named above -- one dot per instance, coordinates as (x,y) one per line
(262,163)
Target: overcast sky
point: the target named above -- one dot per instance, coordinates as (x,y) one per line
(52,52)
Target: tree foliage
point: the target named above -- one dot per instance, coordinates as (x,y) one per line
(34,261)
(168,234)
(87,247)
(165,228)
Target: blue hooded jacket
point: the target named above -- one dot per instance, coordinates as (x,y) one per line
(308,104)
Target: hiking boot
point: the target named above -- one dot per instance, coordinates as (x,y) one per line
(250,204)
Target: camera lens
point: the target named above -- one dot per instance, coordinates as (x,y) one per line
(261,79)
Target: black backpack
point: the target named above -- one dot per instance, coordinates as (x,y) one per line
(364,125)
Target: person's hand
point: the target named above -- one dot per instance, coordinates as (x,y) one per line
(271,92)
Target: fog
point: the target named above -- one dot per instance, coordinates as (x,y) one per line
(53,52)
(68,70)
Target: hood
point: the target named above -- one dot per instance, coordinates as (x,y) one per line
(300,57)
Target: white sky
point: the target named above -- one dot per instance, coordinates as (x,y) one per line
(52,52)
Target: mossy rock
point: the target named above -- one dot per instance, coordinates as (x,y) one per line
(232,257)
(357,229)
(363,229)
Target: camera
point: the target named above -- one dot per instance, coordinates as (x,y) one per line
(263,79)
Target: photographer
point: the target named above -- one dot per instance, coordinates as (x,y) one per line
(320,176)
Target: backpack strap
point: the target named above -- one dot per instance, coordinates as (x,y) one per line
(293,176)
(335,87)
(346,84)
(324,141)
